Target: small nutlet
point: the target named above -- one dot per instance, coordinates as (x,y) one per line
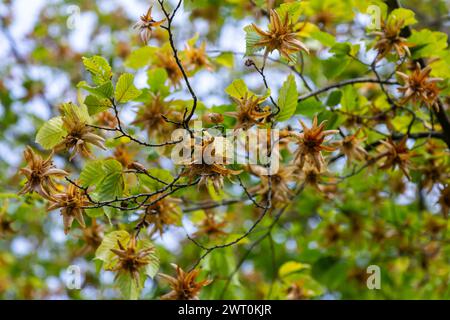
(137,166)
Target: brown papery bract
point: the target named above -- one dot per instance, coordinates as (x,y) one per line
(184,286)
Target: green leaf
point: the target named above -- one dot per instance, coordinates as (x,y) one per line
(109,242)
(92,173)
(112,166)
(334,98)
(334,120)
(153,184)
(341,49)
(51,133)
(441,67)
(74,113)
(99,68)
(309,107)
(129,287)
(191,42)
(287,99)
(220,263)
(125,89)
(427,43)
(225,59)
(95,212)
(293,59)
(237,89)
(406,15)
(96,105)
(111,187)
(156,79)
(251,40)
(334,66)
(104,90)
(292,9)
(292,267)
(309,285)
(9,196)
(329,270)
(110,212)
(106,175)
(349,98)
(216,195)
(151,269)
(140,58)
(324,38)
(113,184)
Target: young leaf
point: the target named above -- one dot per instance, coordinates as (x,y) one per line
(406,15)
(287,99)
(95,212)
(96,105)
(341,49)
(51,133)
(113,184)
(334,98)
(349,98)
(292,267)
(427,43)
(104,90)
(237,89)
(156,79)
(309,107)
(71,111)
(109,242)
(140,58)
(292,9)
(251,40)
(225,59)
(112,166)
(129,287)
(334,66)
(92,173)
(152,268)
(125,89)
(99,68)
(324,38)
(333,119)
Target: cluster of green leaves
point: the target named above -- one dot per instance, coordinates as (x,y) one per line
(130,288)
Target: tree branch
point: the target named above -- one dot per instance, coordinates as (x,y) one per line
(440,113)
(342,84)
(178,61)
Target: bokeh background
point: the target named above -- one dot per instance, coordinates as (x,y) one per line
(41,45)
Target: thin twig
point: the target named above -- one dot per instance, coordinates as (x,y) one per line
(342,84)
(168,28)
